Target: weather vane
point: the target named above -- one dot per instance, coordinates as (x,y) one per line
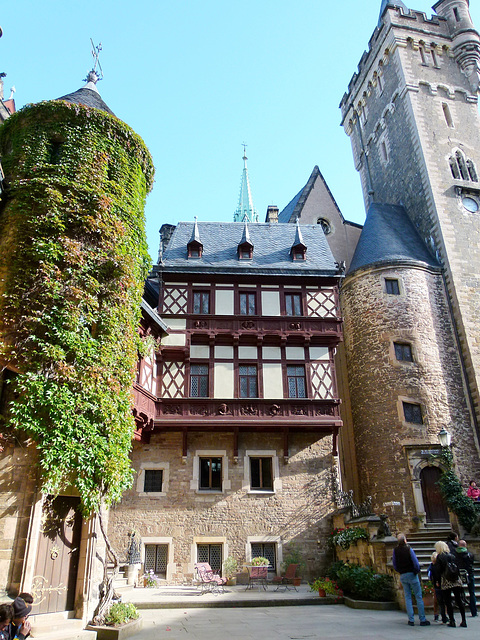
(244,150)
(96,73)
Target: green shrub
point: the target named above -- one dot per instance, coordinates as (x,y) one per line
(362,582)
(120,613)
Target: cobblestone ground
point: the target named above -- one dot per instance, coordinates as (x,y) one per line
(291,623)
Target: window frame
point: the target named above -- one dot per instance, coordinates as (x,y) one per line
(417,405)
(200,376)
(400,347)
(293,295)
(391,281)
(209,487)
(287,380)
(153,466)
(249,377)
(204,296)
(252,293)
(195,480)
(275,468)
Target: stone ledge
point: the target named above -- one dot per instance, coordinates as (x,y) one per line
(373,605)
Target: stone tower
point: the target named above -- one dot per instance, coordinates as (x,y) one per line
(411,112)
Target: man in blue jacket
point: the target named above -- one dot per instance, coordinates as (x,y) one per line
(406,564)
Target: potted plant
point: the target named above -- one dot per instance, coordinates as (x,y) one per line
(230,567)
(150,579)
(294,556)
(260,561)
(121,622)
(428,592)
(325,587)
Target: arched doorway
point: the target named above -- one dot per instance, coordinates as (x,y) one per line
(435,508)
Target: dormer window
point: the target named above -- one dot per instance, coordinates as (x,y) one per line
(299,253)
(195,249)
(245,251)
(245,246)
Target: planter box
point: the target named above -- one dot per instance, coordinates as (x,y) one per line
(117,633)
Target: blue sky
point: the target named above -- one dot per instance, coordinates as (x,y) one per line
(197,78)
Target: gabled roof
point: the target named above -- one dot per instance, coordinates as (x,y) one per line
(298,241)
(272,256)
(89,97)
(195,234)
(293,211)
(389,237)
(245,239)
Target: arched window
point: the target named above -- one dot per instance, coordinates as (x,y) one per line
(462,168)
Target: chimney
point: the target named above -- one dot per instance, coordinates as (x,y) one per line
(272,213)
(166,232)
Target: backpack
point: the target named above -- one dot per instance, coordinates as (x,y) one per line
(451,572)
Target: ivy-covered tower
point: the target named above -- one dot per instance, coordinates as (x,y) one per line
(73,260)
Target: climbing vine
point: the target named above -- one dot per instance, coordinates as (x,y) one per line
(73,259)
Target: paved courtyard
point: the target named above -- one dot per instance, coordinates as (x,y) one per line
(290,623)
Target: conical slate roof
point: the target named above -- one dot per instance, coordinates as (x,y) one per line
(389,237)
(89,97)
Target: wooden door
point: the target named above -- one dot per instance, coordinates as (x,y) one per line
(435,508)
(53,586)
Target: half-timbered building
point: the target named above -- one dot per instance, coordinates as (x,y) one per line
(241,454)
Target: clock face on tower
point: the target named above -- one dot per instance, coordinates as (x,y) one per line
(470,204)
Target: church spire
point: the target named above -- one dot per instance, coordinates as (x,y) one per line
(245,211)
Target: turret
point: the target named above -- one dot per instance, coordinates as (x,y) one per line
(466,40)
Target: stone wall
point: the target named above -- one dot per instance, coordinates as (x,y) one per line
(379,383)
(299,511)
(17,490)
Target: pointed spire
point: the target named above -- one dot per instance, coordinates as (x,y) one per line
(246,235)
(245,211)
(299,248)
(195,246)
(195,233)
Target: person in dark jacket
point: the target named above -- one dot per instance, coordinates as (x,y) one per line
(6,615)
(20,627)
(452,541)
(435,576)
(448,584)
(465,561)
(406,564)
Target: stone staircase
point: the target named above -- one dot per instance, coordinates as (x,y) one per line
(59,626)
(423,543)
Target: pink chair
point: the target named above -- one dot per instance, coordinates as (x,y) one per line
(211,582)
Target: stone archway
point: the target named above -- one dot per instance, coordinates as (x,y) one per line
(425,472)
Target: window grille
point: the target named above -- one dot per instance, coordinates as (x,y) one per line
(296,381)
(211,553)
(153,480)
(392,287)
(403,352)
(293,304)
(201,302)
(156,559)
(265,550)
(248,304)
(248,381)
(412,413)
(199,380)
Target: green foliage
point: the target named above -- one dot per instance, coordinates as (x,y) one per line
(456,499)
(347,536)
(230,566)
(294,556)
(362,582)
(73,259)
(121,613)
(260,561)
(330,587)
(454,494)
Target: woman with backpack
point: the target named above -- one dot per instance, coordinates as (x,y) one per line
(450,581)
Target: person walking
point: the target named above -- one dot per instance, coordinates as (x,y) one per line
(450,581)
(406,564)
(465,561)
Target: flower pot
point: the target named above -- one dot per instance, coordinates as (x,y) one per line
(231,582)
(428,600)
(322,593)
(297,582)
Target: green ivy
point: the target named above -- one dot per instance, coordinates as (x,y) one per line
(73,259)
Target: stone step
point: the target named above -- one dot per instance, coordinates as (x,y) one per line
(59,625)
